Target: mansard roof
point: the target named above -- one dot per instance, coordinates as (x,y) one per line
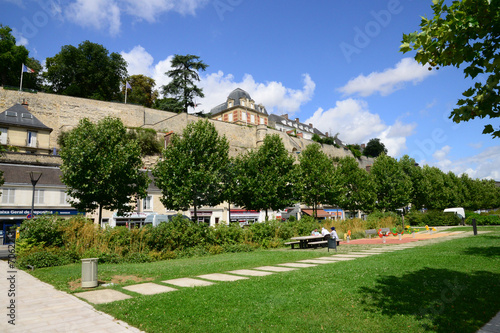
(18,115)
(294,124)
(236,96)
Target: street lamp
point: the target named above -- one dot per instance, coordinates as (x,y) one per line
(34,177)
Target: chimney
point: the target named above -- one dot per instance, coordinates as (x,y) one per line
(311,125)
(326,134)
(25,104)
(297,120)
(363,146)
(285,116)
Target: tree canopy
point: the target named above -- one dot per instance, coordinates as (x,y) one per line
(101,167)
(316,178)
(190,173)
(392,186)
(374,148)
(266,177)
(184,76)
(143,92)
(356,186)
(467,33)
(12,57)
(87,71)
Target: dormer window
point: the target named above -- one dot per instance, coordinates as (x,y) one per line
(242,102)
(230,104)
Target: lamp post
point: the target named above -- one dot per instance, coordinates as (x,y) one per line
(34,177)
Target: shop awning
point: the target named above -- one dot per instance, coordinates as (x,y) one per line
(319,212)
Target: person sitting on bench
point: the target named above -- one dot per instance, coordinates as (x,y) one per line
(333,234)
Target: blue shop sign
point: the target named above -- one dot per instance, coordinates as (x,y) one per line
(25,212)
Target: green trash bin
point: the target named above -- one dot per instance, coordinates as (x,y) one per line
(89,273)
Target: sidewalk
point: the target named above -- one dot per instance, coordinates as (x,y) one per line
(41,308)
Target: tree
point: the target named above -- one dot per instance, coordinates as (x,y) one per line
(87,71)
(266,177)
(419,184)
(316,178)
(12,57)
(182,87)
(355,185)
(168,104)
(101,167)
(190,173)
(374,148)
(143,92)
(465,32)
(392,185)
(438,195)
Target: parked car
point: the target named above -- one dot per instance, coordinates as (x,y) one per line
(459,211)
(156,219)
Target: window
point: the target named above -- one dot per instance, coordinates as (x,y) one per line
(252,118)
(230,117)
(244,116)
(147,203)
(242,102)
(39,196)
(3,136)
(8,195)
(63,198)
(230,104)
(31,139)
(262,121)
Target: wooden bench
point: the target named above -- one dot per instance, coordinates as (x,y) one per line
(292,244)
(318,243)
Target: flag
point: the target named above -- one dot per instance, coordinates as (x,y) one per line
(127,86)
(26,69)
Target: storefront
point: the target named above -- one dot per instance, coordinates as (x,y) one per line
(131,221)
(244,217)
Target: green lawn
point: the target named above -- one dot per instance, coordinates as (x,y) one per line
(451,286)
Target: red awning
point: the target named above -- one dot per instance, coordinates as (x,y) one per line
(319,213)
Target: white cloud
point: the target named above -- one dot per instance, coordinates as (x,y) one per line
(356,124)
(388,81)
(273,95)
(216,86)
(106,14)
(483,165)
(150,10)
(97,14)
(20,39)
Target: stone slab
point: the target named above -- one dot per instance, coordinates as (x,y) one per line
(298,265)
(352,255)
(275,269)
(221,277)
(149,288)
(316,261)
(249,272)
(335,258)
(188,282)
(103,296)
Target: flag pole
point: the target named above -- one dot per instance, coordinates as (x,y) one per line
(126,94)
(21,84)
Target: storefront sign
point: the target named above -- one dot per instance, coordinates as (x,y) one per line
(25,212)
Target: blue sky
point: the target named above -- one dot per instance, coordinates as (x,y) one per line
(335,64)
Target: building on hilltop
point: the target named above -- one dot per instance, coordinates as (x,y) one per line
(295,127)
(22,131)
(240,108)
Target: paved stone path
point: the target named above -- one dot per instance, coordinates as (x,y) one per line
(39,307)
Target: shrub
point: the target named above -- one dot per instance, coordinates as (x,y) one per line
(48,257)
(137,258)
(432,218)
(483,219)
(378,220)
(42,230)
